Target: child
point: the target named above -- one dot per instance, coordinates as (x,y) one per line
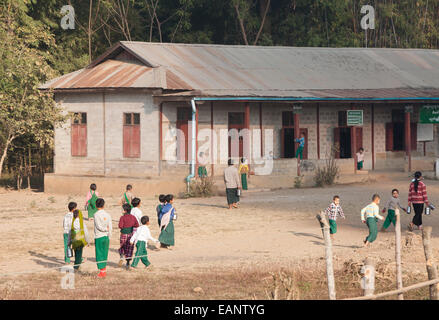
(128,195)
(360,159)
(135,211)
(391,205)
(162,199)
(78,237)
(140,239)
(333,211)
(301,142)
(103,229)
(90,203)
(243,171)
(166,237)
(369,215)
(67,225)
(202,171)
(127,223)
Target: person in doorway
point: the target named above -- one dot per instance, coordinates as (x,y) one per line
(231,179)
(244,171)
(360,159)
(417,198)
(301,142)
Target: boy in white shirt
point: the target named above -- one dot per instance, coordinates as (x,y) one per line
(140,238)
(135,211)
(103,229)
(370,215)
(360,159)
(67,225)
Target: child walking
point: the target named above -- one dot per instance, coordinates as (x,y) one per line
(166,237)
(243,171)
(128,195)
(127,223)
(140,239)
(90,203)
(78,237)
(370,215)
(158,209)
(67,225)
(391,206)
(103,228)
(333,211)
(135,210)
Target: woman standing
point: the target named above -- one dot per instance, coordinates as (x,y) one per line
(243,171)
(417,197)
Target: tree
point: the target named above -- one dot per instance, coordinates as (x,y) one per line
(25,47)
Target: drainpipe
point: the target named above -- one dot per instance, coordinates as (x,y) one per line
(193,143)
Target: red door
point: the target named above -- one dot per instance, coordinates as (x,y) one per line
(183,116)
(358,131)
(236,121)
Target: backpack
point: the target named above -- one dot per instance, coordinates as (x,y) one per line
(91,207)
(78,237)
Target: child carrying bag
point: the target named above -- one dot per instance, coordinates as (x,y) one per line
(78,237)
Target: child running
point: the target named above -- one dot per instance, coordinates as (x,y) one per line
(162,200)
(391,206)
(333,211)
(128,195)
(370,215)
(103,229)
(166,237)
(90,203)
(127,223)
(140,239)
(67,225)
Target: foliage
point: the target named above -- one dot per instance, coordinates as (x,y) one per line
(298,181)
(326,175)
(201,188)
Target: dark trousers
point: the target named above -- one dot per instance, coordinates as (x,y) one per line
(418,208)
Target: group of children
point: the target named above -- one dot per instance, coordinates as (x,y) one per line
(133,225)
(370,214)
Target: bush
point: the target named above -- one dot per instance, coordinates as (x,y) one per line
(200,188)
(298,182)
(326,176)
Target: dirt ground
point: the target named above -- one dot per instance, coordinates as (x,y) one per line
(270,231)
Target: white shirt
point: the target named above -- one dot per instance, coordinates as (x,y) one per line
(142,234)
(360,156)
(137,213)
(67,222)
(102,224)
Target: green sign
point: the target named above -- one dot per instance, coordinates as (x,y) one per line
(429,114)
(355,117)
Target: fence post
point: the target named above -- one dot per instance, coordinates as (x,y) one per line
(429,261)
(368,280)
(324,224)
(398,252)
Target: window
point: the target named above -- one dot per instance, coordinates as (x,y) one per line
(131,135)
(79,134)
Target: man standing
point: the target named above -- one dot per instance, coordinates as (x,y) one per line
(231,178)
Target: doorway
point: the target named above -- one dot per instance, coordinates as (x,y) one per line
(236,141)
(183,116)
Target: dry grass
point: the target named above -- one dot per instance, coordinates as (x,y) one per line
(299,282)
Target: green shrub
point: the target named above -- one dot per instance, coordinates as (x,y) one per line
(200,188)
(326,175)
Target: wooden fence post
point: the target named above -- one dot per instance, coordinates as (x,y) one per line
(324,224)
(429,261)
(368,280)
(398,252)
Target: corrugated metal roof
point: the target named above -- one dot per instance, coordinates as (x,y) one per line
(265,71)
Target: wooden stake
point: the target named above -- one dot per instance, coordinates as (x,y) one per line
(324,224)
(429,261)
(398,253)
(368,280)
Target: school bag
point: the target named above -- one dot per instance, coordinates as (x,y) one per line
(91,207)
(78,237)
(126,199)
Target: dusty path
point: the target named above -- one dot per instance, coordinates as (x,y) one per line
(269,229)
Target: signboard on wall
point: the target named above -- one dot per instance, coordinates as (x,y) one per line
(425,132)
(429,114)
(355,117)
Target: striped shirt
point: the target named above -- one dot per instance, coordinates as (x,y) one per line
(371,211)
(334,210)
(420,196)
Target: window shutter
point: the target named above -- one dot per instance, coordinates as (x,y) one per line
(126,141)
(82,140)
(337,142)
(74,140)
(389,136)
(414,136)
(135,141)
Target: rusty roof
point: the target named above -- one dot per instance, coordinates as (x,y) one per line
(223,70)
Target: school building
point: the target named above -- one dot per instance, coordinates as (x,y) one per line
(139,105)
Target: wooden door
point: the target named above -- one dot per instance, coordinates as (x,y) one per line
(236,121)
(183,116)
(389,136)
(358,132)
